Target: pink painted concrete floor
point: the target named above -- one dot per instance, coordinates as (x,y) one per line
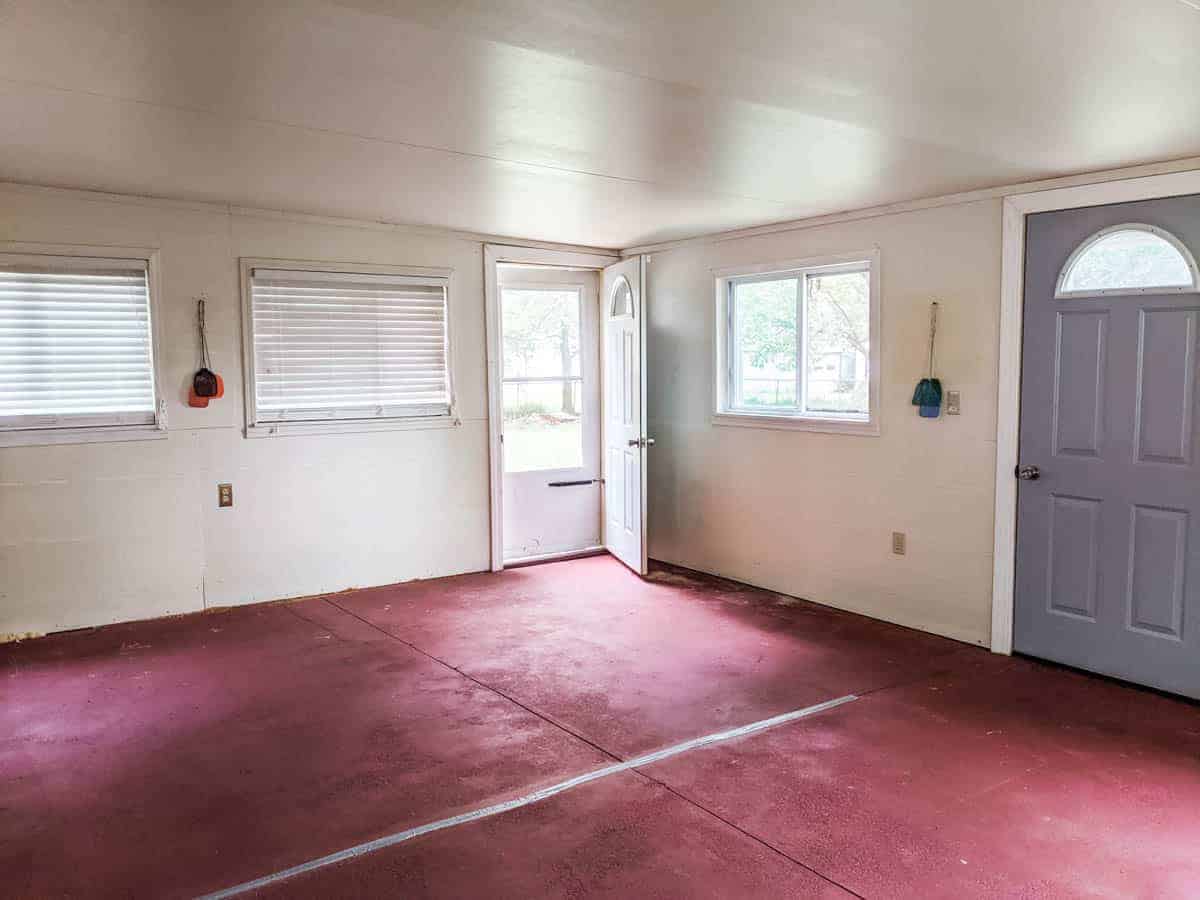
(181,756)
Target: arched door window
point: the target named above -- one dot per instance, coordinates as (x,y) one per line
(1128,259)
(622,299)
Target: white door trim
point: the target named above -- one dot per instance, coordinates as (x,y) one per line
(1008,412)
(493,254)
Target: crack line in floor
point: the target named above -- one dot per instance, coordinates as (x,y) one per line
(550,720)
(632,765)
(543,716)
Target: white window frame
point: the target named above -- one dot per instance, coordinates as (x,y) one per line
(256,429)
(724,413)
(1060,293)
(89,434)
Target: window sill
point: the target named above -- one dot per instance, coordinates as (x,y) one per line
(797,423)
(350,426)
(94,434)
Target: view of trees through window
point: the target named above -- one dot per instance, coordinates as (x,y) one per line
(543,426)
(1129,258)
(838,331)
(806,332)
(766,328)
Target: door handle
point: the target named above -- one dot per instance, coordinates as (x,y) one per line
(1029,473)
(641,442)
(579,483)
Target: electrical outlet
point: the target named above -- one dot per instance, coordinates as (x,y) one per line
(899,543)
(953,403)
(224,495)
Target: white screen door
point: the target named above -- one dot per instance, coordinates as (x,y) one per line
(622,304)
(550,382)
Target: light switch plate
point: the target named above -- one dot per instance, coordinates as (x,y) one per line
(899,543)
(953,403)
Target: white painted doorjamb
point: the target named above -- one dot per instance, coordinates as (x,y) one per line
(1008,413)
(493,255)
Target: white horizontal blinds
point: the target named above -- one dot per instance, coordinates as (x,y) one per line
(75,345)
(333,345)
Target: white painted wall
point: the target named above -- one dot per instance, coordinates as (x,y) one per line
(98,533)
(812,514)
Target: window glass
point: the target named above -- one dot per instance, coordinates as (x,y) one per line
(765,343)
(543,426)
(622,299)
(1133,258)
(541,333)
(837,345)
(799,344)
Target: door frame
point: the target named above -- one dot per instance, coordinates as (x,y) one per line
(1008,403)
(493,255)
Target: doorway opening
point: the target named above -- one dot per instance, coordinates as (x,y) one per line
(550,386)
(566,405)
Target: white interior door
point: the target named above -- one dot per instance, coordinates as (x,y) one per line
(622,305)
(550,377)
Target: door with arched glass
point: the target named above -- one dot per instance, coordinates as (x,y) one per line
(623,301)
(1108,546)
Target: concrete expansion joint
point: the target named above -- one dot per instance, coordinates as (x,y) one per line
(549,720)
(636,765)
(541,794)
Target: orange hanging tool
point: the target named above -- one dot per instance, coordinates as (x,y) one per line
(206,384)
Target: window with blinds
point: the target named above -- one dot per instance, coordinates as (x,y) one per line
(75,343)
(335,346)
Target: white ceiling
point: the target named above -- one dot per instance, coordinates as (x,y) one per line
(603,123)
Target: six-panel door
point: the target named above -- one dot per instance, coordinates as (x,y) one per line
(1108,566)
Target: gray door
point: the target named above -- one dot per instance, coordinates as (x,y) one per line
(1108,559)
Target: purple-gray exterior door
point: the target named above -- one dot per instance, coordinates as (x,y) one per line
(1108,551)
